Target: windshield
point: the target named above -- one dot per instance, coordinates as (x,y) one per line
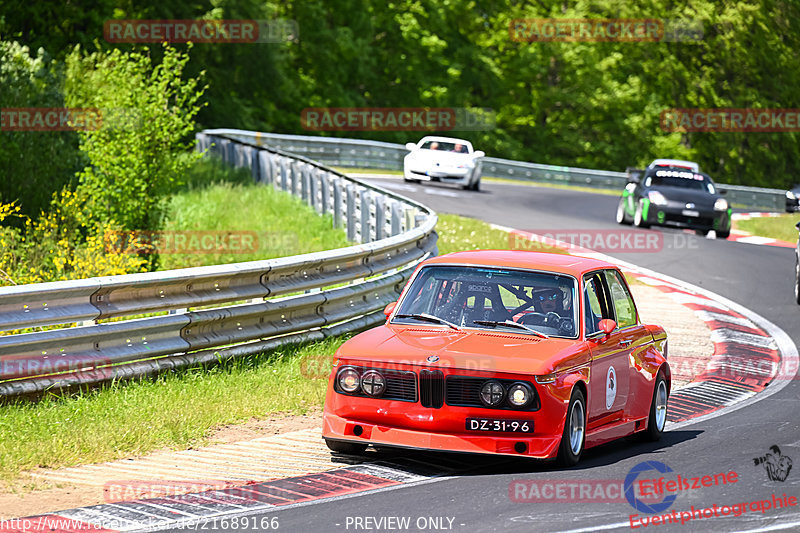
(484,298)
(679,177)
(444,146)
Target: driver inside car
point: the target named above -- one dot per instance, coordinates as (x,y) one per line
(548,301)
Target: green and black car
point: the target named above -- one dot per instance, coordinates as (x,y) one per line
(674,196)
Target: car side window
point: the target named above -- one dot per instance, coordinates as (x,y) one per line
(623,302)
(596,305)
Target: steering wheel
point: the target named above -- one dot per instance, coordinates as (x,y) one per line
(552,320)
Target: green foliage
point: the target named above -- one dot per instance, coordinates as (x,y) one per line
(33,164)
(593,104)
(148,114)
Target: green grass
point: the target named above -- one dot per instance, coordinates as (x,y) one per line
(244,221)
(781,227)
(174,411)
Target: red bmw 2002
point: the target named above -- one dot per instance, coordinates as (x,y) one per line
(502,352)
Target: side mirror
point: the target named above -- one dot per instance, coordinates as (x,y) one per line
(634,174)
(389,308)
(411,146)
(607,326)
(797,226)
(478,153)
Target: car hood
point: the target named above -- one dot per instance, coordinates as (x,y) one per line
(469,349)
(428,157)
(680,194)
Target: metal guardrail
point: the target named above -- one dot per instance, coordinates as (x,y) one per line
(356,153)
(218,312)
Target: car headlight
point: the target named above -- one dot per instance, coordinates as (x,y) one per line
(373,383)
(519,395)
(656,198)
(790,195)
(492,393)
(721,204)
(348,379)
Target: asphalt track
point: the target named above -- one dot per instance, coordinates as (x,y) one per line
(757,277)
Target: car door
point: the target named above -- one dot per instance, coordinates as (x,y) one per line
(631,332)
(610,354)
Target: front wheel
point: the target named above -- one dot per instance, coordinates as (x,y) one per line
(638,217)
(622,216)
(574,436)
(658,410)
(350,448)
(723,234)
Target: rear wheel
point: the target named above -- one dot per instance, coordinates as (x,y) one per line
(797,278)
(658,410)
(622,216)
(350,448)
(574,436)
(638,217)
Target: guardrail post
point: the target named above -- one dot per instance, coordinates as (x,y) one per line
(255,167)
(294,178)
(350,205)
(337,203)
(325,192)
(380,217)
(305,192)
(284,174)
(365,202)
(397,218)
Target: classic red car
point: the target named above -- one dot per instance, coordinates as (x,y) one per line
(503,352)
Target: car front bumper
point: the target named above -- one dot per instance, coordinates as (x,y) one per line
(678,217)
(345,429)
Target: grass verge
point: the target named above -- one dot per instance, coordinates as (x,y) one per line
(781,227)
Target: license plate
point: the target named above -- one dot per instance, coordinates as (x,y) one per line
(499,425)
(690,213)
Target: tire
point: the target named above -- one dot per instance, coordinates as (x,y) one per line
(477,185)
(723,234)
(622,216)
(350,448)
(574,436)
(637,217)
(797,278)
(658,410)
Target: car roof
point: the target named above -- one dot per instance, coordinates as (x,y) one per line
(444,139)
(559,263)
(680,163)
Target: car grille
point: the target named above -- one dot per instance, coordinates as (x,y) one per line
(431,388)
(464,391)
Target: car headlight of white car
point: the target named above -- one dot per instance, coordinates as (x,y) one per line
(721,204)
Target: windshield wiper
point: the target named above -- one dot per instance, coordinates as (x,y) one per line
(429,318)
(510,323)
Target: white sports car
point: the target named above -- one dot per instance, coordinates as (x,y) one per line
(443,159)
